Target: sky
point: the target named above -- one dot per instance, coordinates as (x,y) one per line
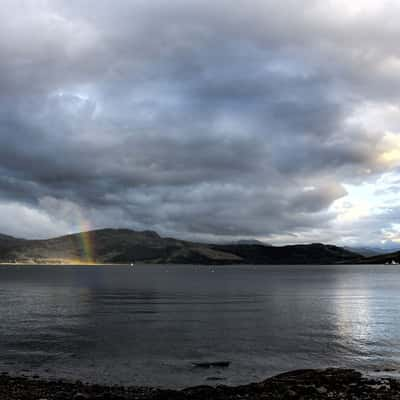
(204,120)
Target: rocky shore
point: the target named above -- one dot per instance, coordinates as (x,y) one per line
(301,384)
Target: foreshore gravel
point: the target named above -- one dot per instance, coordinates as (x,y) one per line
(301,384)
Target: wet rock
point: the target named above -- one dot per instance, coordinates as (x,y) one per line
(215,378)
(212,364)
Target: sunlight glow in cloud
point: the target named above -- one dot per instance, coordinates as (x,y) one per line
(221,123)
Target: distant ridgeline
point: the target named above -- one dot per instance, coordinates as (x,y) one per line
(121,246)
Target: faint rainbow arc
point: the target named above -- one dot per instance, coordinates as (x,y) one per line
(86,242)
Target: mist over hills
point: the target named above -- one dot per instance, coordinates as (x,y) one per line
(126,246)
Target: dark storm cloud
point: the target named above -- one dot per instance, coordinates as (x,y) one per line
(192,118)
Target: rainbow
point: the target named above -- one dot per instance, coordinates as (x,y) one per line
(86,243)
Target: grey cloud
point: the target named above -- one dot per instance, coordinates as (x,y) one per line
(197,119)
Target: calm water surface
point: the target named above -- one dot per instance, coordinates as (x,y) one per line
(147,325)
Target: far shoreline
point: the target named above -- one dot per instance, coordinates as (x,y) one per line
(145,263)
(20,264)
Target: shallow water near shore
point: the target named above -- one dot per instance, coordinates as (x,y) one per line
(146,325)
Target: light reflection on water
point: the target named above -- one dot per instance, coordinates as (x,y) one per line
(147,325)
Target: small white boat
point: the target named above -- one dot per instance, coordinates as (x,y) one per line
(394,262)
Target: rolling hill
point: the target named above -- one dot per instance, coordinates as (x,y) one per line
(381,259)
(125,246)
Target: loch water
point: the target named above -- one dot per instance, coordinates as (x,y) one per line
(148,324)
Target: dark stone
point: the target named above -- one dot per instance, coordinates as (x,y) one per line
(213,364)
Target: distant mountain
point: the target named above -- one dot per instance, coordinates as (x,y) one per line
(364,251)
(250,241)
(125,246)
(316,253)
(7,244)
(381,259)
(6,237)
(372,251)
